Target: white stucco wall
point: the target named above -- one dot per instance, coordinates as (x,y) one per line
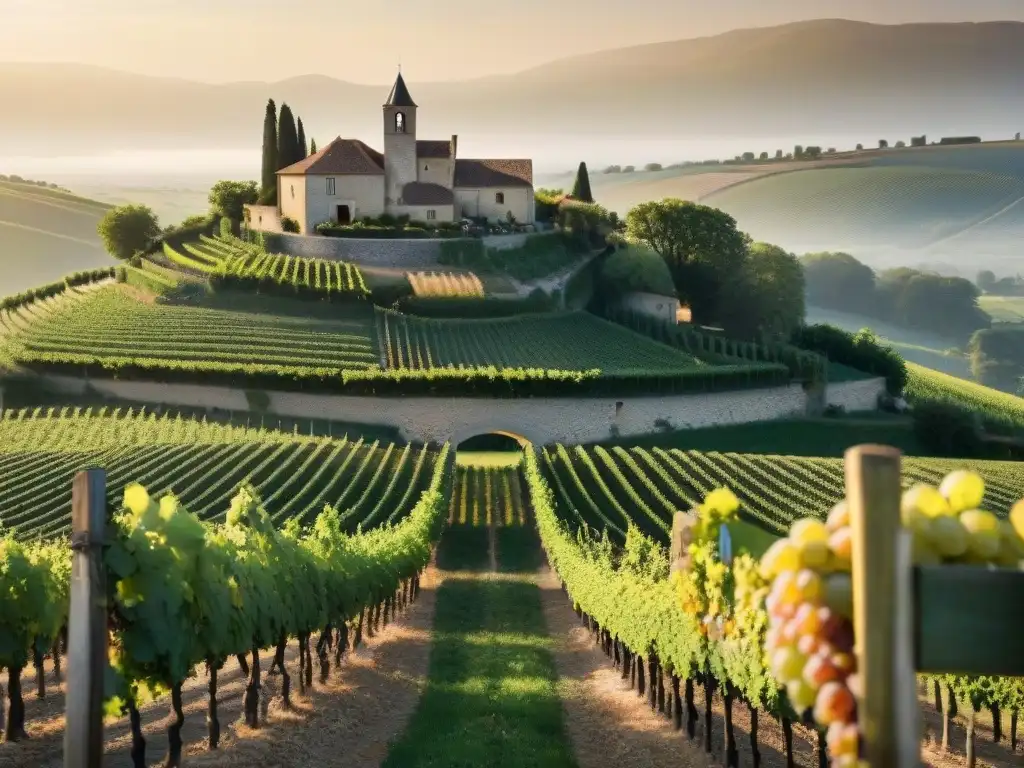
(435,170)
(856,395)
(437,419)
(264,218)
(471,201)
(291,198)
(651,304)
(363,194)
(419,212)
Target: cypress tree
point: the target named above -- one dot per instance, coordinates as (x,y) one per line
(581,187)
(269,175)
(312,146)
(287,139)
(302,140)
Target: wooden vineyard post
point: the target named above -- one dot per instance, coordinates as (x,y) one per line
(682,536)
(87,623)
(883,608)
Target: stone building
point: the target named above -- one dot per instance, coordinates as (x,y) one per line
(422,178)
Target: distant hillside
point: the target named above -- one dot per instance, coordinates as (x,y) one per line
(820,77)
(45,234)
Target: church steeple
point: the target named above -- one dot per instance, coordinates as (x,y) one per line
(399,96)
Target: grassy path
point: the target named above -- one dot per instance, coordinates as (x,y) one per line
(492,694)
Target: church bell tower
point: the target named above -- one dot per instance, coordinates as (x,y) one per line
(399,142)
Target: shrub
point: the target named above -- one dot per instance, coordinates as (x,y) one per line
(227,228)
(947,430)
(288,224)
(862,351)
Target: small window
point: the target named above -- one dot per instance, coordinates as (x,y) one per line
(330,186)
(399,122)
(431,214)
(499,198)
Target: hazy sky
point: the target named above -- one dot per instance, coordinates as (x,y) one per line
(223,40)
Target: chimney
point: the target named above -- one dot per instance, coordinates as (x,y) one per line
(455,145)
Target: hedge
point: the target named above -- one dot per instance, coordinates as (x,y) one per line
(861,351)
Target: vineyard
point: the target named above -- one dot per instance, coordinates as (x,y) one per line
(488,496)
(574,341)
(369,483)
(185,592)
(446,284)
(708,625)
(994,407)
(619,487)
(112,329)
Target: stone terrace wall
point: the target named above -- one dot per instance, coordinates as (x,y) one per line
(437,420)
(856,395)
(385,252)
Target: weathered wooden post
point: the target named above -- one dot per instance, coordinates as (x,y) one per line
(883,601)
(87,623)
(682,537)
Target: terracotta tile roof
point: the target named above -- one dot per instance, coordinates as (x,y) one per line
(399,96)
(433,148)
(341,156)
(422,193)
(493,173)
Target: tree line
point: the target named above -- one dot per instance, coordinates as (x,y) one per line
(284,144)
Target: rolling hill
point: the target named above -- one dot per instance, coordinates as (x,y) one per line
(747,82)
(46,234)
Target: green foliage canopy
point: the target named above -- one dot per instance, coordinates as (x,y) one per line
(581,187)
(127,230)
(228,198)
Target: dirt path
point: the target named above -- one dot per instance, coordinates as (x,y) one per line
(365,704)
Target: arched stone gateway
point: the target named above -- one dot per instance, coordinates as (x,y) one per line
(465,433)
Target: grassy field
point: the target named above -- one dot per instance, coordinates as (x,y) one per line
(1004,309)
(46,234)
(369,482)
(609,488)
(491,696)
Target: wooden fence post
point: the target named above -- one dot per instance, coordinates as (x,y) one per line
(87,623)
(883,608)
(682,536)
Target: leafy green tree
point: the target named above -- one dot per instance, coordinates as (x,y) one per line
(839,281)
(303,151)
(229,198)
(633,268)
(268,177)
(287,139)
(581,187)
(701,245)
(776,278)
(312,146)
(651,167)
(128,229)
(985,280)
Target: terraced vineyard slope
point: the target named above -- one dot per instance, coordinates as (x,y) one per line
(997,409)
(369,483)
(114,328)
(569,341)
(610,488)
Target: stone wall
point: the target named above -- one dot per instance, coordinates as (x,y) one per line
(374,252)
(856,395)
(663,308)
(437,420)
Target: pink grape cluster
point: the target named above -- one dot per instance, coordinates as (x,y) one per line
(810,627)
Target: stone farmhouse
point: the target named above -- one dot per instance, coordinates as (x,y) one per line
(421,178)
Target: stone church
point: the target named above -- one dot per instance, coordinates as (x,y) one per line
(422,178)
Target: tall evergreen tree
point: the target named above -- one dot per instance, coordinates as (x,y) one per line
(581,187)
(303,152)
(268,177)
(312,146)
(287,139)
